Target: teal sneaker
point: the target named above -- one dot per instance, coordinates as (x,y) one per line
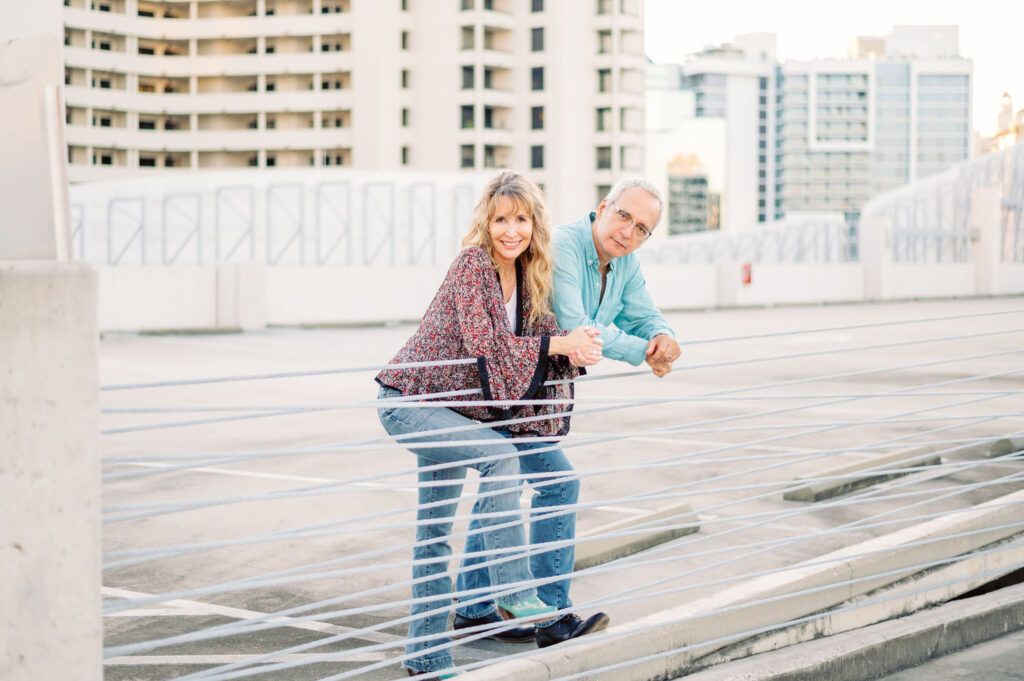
(527,607)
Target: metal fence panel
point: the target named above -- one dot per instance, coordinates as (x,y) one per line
(334,223)
(284,224)
(181,222)
(234,220)
(126,220)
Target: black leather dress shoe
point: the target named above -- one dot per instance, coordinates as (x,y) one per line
(523,634)
(570,626)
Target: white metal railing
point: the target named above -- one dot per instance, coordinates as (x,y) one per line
(287,217)
(815,239)
(930,218)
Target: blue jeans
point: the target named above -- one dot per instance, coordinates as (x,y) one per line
(549,491)
(432,536)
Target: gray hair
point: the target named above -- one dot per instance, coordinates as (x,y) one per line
(639,182)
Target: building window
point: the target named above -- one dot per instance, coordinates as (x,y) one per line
(405,5)
(604,116)
(145,50)
(147,162)
(405,117)
(537,78)
(604,80)
(405,156)
(467,4)
(405,79)
(105,45)
(269,49)
(271,161)
(537,156)
(253,161)
(468,37)
(537,5)
(467,77)
(271,124)
(106,160)
(271,86)
(105,121)
(468,157)
(537,40)
(105,83)
(604,158)
(602,192)
(537,118)
(467,116)
(405,40)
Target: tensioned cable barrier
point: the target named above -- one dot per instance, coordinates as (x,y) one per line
(360,519)
(339,485)
(301,556)
(362,443)
(711,365)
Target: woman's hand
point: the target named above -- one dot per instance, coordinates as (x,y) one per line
(581,345)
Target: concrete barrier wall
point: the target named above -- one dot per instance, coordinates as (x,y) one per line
(302,295)
(1009,279)
(930,281)
(773,283)
(682,287)
(251,295)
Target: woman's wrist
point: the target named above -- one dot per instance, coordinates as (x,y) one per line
(558,346)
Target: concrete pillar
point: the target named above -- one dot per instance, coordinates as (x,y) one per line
(875,245)
(242,296)
(50,617)
(985,239)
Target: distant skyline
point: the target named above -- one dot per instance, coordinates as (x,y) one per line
(991,34)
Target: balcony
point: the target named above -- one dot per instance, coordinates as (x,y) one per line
(208,27)
(212,102)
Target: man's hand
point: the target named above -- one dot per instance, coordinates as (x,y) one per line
(662,350)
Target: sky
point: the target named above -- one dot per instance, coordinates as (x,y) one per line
(991,34)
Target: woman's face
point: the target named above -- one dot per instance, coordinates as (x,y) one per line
(511,228)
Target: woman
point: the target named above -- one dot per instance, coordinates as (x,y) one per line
(492,307)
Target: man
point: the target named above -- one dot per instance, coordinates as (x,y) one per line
(598,283)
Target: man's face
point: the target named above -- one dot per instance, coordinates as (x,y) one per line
(619,225)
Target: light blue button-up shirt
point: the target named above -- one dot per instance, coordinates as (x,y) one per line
(626,316)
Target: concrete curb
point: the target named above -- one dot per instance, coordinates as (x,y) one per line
(1007,445)
(807,588)
(884,648)
(876,470)
(598,551)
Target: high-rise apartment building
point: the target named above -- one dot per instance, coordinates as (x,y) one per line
(851,128)
(826,135)
(552,88)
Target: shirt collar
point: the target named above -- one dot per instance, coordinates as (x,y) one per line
(589,247)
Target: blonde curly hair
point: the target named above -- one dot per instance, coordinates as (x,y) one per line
(536,259)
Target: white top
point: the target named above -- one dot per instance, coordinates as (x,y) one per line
(510,308)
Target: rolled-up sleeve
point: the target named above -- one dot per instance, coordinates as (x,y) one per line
(639,317)
(624,341)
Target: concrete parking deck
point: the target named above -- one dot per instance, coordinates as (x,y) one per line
(735,455)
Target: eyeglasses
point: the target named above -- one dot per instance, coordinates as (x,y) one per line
(622,218)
